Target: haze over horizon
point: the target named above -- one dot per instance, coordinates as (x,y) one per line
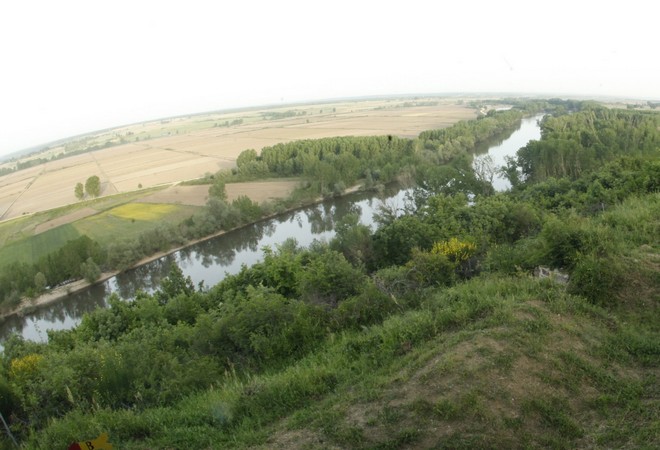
(72,67)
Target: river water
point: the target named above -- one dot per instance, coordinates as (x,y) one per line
(208,262)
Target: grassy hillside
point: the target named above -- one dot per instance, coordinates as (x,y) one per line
(492,363)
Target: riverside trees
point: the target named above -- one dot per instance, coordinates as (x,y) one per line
(438,161)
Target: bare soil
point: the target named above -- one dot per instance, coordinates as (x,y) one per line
(63,220)
(260,191)
(257,191)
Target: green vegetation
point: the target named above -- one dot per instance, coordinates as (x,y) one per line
(52,267)
(93,186)
(130,221)
(79,191)
(579,143)
(29,251)
(428,332)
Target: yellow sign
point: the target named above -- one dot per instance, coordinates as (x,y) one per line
(100,443)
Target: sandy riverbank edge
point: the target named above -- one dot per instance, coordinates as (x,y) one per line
(28,305)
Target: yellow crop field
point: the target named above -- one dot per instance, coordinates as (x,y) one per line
(142,211)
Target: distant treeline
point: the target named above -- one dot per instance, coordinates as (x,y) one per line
(275,115)
(20,165)
(26,164)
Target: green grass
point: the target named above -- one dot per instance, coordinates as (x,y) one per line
(23,227)
(16,229)
(456,373)
(30,249)
(120,219)
(130,220)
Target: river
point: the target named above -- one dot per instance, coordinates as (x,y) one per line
(208,262)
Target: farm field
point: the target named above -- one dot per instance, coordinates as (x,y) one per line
(167,151)
(121,222)
(258,191)
(111,219)
(130,220)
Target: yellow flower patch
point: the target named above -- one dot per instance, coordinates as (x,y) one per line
(455,250)
(142,211)
(24,367)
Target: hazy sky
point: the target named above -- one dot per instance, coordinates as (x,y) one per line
(69,67)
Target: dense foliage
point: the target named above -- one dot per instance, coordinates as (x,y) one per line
(572,145)
(190,367)
(75,260)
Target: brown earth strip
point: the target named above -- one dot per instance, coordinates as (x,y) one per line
(63,220)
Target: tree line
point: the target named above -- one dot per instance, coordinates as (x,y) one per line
(579,143)
(78,258)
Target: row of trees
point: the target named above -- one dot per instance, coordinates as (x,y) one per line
(92,187)
(329,165)
(78,258)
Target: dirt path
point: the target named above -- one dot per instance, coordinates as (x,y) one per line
(63,220)
(5,215)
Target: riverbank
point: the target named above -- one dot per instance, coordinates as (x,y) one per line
(28,305)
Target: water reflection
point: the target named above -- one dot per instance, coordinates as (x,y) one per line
(324,218)
(506,145)
(57,316)
(209,261)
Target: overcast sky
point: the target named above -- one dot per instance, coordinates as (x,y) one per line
(69,67)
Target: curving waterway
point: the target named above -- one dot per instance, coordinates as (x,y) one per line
(208,262)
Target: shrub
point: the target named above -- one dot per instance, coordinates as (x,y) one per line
(596,278)
(431,268)
(369,307)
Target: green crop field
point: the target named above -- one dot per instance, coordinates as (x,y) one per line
(125,221)
(130,220)
(14,229)
(29,250)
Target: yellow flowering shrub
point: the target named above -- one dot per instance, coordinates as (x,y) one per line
(22,368)
(455,250)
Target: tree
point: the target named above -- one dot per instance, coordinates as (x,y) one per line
(79,191)
(217,190)
(93,186)
(174,284)
(90,271)
(329,278)
(353,240)
(40,282)
(246,157)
